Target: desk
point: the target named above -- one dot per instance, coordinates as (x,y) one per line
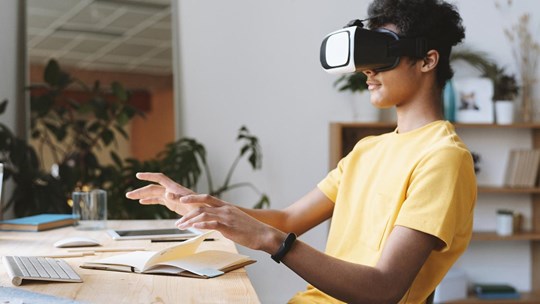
(118,287)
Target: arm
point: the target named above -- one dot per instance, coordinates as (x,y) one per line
(304,214)
(404,253)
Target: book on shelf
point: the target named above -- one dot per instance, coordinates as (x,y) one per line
(495,291)
(38,222)
(522,168)
(181,260)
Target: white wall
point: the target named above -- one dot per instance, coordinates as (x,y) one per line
(9,65)
(256,63)
(8,62)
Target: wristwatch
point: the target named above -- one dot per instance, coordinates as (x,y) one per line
(284,248)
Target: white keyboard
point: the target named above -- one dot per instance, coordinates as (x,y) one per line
(21,268)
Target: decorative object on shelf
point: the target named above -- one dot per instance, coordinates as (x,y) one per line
(474,103)
(495,291)
(505,222)
(522,168)
(506,91)
(505,87)
(526,52)
(362,109)
(449,101)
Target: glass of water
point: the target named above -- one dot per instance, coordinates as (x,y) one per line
(90,209)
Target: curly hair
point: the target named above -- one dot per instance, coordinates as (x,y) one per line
(437,21)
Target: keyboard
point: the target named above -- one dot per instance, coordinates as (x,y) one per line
(21,268)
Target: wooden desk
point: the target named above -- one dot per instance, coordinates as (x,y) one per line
(117,287)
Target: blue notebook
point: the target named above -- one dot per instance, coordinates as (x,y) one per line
(38,222)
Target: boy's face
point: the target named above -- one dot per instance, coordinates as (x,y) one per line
(396,86)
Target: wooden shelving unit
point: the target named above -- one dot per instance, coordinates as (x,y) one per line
(343,137)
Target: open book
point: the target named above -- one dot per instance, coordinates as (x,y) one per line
(182,260)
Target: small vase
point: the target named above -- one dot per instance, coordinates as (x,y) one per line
(449,99)
(504,112)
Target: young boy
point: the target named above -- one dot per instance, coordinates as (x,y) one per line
(401,203)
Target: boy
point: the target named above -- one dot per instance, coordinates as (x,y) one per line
(401,203)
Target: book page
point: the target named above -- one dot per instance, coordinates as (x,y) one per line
(136,259)
(214,259)
(173,253)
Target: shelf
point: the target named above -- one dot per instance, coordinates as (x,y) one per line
(525,299)
(508,190)
(492,236)
(457,125)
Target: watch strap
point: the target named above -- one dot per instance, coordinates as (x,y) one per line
(284,248)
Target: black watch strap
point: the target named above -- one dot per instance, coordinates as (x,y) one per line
(284,248)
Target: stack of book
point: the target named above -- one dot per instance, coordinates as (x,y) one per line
(38,222)
(495,291)
(522,168)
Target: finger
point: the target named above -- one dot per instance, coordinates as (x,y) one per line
(193,216)
(211,225)
(151,201)
(202,199)
(159,178)
(146,191)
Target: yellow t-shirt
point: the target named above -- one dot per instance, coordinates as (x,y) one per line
(423,179)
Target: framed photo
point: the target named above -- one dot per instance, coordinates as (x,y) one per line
(474,100)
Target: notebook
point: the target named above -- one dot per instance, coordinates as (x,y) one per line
(181,260)
(38,222)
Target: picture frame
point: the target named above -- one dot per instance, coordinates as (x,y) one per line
(474,100)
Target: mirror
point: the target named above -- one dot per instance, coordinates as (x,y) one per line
(128,41)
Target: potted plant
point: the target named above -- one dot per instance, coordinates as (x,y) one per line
(505,92)
(355,83)
(73,131)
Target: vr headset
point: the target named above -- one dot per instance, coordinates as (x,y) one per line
(356,49)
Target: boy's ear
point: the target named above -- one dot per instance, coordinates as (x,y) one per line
(430,61)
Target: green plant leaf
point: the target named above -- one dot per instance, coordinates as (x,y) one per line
(116,159)
(122,119)
(3,106)
(122,132)
(264,202)
(94,127)
(107,137)
(119,91)
(51,75)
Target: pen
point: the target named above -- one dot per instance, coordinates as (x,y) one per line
(177,240)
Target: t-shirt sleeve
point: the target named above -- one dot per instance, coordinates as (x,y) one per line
(330,184)
(441,195)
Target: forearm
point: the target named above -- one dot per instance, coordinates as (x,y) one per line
(403,256)
(348,282)
(306,213)
(275,218)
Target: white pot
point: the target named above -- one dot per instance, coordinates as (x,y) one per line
(362,109)
(504,112)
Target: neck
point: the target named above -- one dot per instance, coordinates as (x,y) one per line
(420,111)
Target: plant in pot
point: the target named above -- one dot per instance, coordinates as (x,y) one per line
(184,161)
(355,83)
(505,93)
(72,130)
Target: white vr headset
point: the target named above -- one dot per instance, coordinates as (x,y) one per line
(355,49)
